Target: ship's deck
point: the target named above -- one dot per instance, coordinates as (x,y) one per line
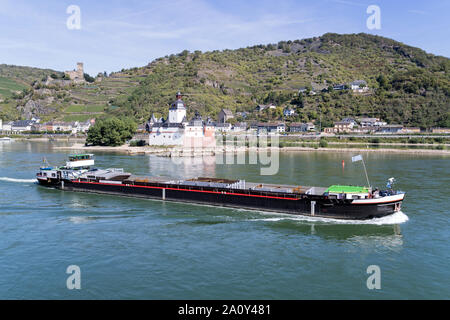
(115,175)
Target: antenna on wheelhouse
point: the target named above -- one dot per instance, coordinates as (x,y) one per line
(44,160)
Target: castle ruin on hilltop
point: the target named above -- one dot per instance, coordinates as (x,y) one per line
(74,76)
(77,75)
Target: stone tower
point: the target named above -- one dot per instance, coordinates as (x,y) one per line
(80,69)
(177,111)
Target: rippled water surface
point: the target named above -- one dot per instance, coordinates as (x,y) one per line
(133,248)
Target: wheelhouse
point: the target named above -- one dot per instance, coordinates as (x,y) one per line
(81,157)
(78,161)
(48,173)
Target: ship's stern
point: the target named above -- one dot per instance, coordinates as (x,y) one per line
(48,177)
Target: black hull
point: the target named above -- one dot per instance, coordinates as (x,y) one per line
(301,205)
(49,182)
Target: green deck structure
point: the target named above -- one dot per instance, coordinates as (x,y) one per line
(347,189)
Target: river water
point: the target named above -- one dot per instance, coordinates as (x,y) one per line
(144,249)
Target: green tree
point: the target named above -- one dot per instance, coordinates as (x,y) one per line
(88,78)
(298,101)
(111,132)
(383,82)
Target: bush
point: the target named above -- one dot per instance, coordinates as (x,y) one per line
(323,143)
(138,143)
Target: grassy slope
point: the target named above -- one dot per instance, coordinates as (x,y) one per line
(92,100)
(9,86)
(24,74)
(79,102)
(14,79)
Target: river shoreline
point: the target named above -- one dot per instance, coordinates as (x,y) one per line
(187,152)
(46,139)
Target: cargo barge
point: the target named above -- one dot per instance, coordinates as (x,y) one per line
(340,202)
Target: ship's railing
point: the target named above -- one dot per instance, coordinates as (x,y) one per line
(114,169)
(240,184)
(316,191)
(48,168)
(178,186)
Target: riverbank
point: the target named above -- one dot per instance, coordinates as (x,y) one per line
(45,138)
(181,152)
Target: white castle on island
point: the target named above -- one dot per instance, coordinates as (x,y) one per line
(177,131)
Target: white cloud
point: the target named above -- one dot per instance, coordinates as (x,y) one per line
(195,19)
(421,12)
(350,3)
(193,25)
(113,37)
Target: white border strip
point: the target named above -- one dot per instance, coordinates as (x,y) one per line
(397,197)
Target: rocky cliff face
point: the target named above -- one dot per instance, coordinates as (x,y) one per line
(34,109)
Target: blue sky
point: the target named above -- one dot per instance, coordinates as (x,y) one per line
(122,34)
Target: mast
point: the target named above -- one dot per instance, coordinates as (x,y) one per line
(360,158)
(367,177)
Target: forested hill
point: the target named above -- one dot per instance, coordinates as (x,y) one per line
(408,85)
